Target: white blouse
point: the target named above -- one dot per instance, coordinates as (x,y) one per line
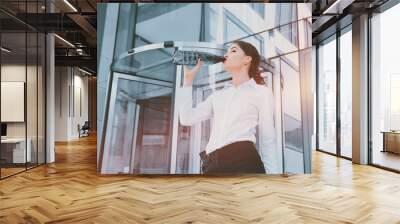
(236,112)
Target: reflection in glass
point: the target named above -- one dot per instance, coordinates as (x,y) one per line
(292,121)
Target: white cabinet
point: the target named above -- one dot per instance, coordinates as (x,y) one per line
(19,154)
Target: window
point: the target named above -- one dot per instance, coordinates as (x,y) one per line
(259,8)
(211,24)
(394,101)
(286,20)
(385,89)
(334,96)
(346,92)
(22,65)
(327,96)
(234,29)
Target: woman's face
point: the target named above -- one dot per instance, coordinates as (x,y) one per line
(235,59)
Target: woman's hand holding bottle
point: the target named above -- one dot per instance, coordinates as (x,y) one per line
(190,74)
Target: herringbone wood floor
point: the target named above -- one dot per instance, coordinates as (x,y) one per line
(70,191)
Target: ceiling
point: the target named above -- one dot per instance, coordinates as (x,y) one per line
(332,15)
(72,20)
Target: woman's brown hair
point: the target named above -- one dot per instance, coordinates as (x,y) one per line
(251,51)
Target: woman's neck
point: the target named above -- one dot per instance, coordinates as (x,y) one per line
(240,78)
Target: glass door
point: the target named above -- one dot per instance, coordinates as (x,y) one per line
(143,135)
(139,133)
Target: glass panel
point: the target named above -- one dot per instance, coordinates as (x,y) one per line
(32,95)
(118,159)
(286,20)
(259,8)
(307,79)
(327,96)
(292,120)
(385,84)
(346,94)
(107,19)
(153,141)
(167,21)
(186,152)
(140,136)
(286,13)
(233,31)
(236,30)
(22,80)
(305,33)
(126,26)
(154,64)
(211,26)
(289,31)
(41,99)
(13,86)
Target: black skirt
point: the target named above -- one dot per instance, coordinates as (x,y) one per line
(235,158)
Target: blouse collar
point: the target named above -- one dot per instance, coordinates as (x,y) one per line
(249,82)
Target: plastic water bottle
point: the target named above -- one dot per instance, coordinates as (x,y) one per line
(191,58)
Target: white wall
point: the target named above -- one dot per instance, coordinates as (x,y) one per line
(71,87)
(80,84)
(61,103)
(34,125)
(12,73)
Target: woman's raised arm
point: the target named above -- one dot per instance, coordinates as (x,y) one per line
(187,114)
